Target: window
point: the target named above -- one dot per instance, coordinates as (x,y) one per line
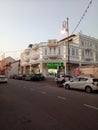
(96,56)
(59,50)
(50,50)
(83,79)
(45,51)
(75,79)
(73,51)
(82,43)
(54,50)
(76,52)
(91,54)
(82,53)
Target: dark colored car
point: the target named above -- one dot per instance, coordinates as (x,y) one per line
(37,77)
(23,76)
(28,77)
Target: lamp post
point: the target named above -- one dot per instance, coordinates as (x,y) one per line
(65,28)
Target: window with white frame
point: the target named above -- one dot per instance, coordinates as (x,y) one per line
(96,56)
(82,43)
(73,51)
(76,52)
(45,51)
(59,50)
(54,50)
(50,50)
(82,53)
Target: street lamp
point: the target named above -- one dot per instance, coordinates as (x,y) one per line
(65,28)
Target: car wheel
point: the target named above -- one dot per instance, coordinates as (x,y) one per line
(88,89)
(67,86)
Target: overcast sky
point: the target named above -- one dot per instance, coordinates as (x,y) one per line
(24,22)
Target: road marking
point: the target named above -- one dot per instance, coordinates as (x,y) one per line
(93,107)
(42,92)
(61,97)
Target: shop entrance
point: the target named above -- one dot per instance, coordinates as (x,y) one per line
(52,68)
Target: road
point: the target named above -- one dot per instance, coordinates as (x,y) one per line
(26,105)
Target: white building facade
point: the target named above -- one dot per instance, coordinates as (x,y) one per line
(15,67)
(47,56)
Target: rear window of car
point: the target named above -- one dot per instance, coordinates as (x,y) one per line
(95,80)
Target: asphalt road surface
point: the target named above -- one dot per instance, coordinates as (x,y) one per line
(26,105)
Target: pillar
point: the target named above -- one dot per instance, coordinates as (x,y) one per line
(65,66)
(41,67)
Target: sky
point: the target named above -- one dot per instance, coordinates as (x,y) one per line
(24,22)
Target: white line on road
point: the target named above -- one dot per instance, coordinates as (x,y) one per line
(93,107)
(42,92)
(61,97)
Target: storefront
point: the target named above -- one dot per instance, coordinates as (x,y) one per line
(52,68)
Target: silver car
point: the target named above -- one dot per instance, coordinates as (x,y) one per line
(83,83)
(3,79)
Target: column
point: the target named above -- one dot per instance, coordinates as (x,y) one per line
(30,68)
(24,69)
(41,67)
(65,66)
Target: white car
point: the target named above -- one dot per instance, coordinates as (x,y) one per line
(3,79)
(83,83)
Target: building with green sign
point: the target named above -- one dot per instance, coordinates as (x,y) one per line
(45,57)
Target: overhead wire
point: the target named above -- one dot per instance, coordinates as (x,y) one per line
(82,16)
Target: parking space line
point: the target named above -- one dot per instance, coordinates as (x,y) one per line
(63,98)
(93,107)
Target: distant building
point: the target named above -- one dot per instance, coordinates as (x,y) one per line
(15,67)
(5,65)
(47,56)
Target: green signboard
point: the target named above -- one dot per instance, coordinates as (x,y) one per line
(53,64)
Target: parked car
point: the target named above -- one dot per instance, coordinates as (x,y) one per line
(83,83)
(23,76)
(19,76)
(28,77)
(14,76)
(37,77)
(3,79)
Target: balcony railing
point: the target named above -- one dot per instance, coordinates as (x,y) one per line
(88,58)
(51,55)
(88,48)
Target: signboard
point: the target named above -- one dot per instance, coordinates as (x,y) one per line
(77,72)
(53,64)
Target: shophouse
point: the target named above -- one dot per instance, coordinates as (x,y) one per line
(45,57)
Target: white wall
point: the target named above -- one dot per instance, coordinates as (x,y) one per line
(14,69)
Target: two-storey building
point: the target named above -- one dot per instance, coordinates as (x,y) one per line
(45,57)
